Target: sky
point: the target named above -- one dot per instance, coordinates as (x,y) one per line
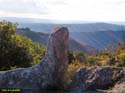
(65,10)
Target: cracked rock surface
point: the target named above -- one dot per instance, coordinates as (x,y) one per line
(50,72)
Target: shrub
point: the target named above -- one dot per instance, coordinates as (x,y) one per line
(122,57)
(104,63)
(17,51)
(91,61)
(73,67)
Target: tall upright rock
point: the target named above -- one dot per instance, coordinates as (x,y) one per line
(49,73)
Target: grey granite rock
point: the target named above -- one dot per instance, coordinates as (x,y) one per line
(49,73)
(119,86)
(92,78)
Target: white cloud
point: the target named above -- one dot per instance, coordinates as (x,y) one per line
(21,6)
(88,10)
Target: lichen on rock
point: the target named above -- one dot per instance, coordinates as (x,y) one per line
(92,78)
(49,72)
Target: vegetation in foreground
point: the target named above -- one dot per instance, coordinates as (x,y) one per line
(114,57)
(22,49)
(17,51)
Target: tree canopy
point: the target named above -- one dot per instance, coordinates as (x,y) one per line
(17,51)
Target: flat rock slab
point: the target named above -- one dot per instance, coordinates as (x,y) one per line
(119,87)
(92,78)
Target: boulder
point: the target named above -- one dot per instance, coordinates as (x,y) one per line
(119,87)
(92,78)
(49,73)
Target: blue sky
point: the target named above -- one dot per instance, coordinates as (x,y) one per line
(83,10)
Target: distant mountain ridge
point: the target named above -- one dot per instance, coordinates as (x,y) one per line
(42,38)
(93,35)
(85,27)
(25,20)
(100,39)
(39,37)
(45,25)
(87,42)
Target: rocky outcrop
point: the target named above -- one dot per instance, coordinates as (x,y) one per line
(49,73)
(91,78)
(119,87)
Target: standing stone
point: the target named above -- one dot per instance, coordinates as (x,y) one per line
(56,58)
(49,73)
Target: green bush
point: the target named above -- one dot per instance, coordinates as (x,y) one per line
(17,51)
(91,61)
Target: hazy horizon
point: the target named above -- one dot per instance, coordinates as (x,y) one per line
(47,21)
(65,10)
